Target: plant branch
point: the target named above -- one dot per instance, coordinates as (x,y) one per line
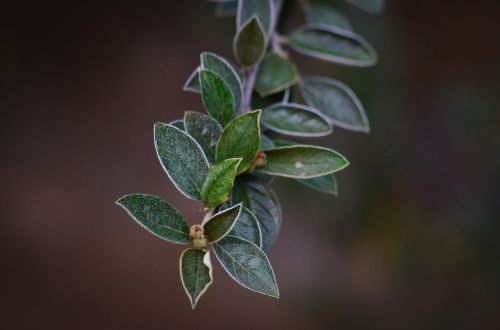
(252,73)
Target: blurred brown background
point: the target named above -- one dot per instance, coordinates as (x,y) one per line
(410,243)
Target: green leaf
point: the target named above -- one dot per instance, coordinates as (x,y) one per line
(295,120)
(240,139)
(196,273)
(217,97)
(319,13)
(337,101)
(332,44)
(263,10)
(179,123)
(247,227)
(302,162)
(250,43)
(326,184)
(221,67)
(226,8)
(219,182)
(182,159)
(156,216)
(247,264)
(218,226)
(192,84)
(275,75)
(262,201)
(266,143)
(259,102)
(371,6)
(204,130)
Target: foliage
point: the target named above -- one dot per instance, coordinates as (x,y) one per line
(227,158)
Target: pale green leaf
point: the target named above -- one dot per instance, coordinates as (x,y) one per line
(182,159)
(250,43)
(275,75)
(332,44)
(262,201)
(219,225)
(217,97)
(371,6)
(157,216)
(326,184)
(247,264)
(221,67)
(240,139)
(295,120)
(219,182)
(319,13)
(247,227)
(196,273)
(337,101)
(263,10)
(302,162)
(205,130)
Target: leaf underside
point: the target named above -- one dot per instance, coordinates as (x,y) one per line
(196,273)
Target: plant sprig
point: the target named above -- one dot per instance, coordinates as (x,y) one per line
(227,158)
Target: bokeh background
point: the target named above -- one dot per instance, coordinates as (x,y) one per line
(412,242)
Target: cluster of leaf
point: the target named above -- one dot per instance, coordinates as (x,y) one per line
(227,158)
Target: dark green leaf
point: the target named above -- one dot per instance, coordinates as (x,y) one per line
(221,224)
(179,123)
(337,101)
(326,184)
(217,97)
(319,13)
(262,9)
(156,216)
(226,8)
(240,139)
(261,200)
(192,84)
(247,227)
(332,44)
(259,102)
(221,67)
(371,6)
(295,120)
(275,75)
(196,273)
(182,159)
(302,162)
(250,43)
(247,264)
(219,182)
(204,130)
